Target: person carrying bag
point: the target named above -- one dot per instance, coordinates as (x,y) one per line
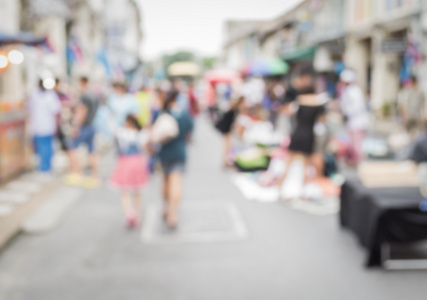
(172,131)
(164,129)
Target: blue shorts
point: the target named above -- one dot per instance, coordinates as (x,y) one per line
(173,167)
(87,137)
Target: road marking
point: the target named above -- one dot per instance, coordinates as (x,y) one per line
(199,222)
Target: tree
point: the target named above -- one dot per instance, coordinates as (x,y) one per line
(169,59)
(208,62)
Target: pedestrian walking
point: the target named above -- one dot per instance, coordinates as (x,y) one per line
(253,89)
(354,108)
(84,134)
(225,126)
(64,118)
(44,107)
(173,158)
(193,102)
(131,172)
(211,102)
(155,109)
(159,97)
(123,103)
(144,98)
(272,99)
(411,106)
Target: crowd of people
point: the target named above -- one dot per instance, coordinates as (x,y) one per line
(297,108)
(154,125)
(136,123)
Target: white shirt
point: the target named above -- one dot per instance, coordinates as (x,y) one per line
(43,106)
(253,91)
(122,106)
(128,138)
(353,106)
(129,141)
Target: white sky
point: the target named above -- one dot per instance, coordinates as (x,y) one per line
(197,25)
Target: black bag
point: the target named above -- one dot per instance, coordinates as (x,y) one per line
(225,123)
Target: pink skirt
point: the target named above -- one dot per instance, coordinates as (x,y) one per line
(130,173)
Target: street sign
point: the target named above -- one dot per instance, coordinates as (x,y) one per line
(394,46)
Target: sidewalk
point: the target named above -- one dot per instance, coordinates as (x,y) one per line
(19,198)
(22,196)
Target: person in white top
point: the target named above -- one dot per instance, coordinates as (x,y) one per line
(253,91)
(354,108)
(44,107)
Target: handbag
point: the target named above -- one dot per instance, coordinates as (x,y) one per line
(225,122)
(164,129)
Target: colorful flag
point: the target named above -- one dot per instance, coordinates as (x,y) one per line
(74,51)
(411,58)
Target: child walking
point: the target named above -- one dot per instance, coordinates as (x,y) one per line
(131,172)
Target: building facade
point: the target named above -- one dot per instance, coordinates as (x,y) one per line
(379,35)
(12,115)
(242,43)
(94,38)
(123,36)
(384,41)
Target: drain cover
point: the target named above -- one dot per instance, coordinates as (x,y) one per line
(199,222)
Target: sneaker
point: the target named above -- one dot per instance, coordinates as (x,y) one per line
(73,179)
(129,222)
(91,183)
(132,222)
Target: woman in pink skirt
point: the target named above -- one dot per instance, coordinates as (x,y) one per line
(131,172)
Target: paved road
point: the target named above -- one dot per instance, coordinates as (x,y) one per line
(285,254)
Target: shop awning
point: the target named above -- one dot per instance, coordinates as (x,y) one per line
(25,38)
(183,68)
(299,54)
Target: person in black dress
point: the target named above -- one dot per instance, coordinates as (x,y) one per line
(310,109)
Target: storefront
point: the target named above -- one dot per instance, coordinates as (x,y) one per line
(12,119)
(384,47)
(14,143)
(13,158)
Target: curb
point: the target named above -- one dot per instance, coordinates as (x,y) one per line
(11,225)
(27,205)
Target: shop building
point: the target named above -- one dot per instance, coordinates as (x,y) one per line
(328,35)
(122,21)
(12,94)
(378,38)
(242,43)
(70,36)
(84,39)
(383,41)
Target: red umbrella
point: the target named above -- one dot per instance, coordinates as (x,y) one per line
(221,76)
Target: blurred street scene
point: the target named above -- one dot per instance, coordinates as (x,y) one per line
(258,151)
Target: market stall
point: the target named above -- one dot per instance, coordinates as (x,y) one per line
(382,215)
(259,159)
(13,141)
